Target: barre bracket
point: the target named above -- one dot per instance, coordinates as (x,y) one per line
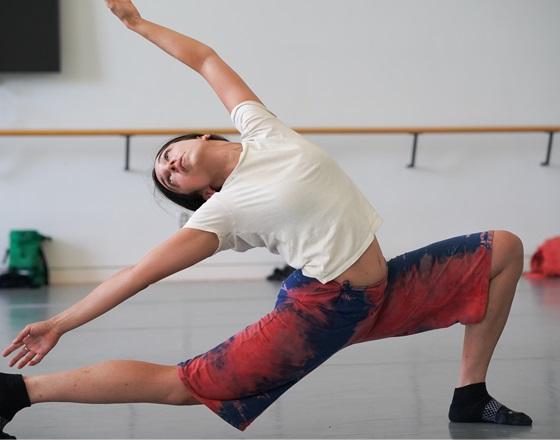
(549,149)
(414,149)
(127,152)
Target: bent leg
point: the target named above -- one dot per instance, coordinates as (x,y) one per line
(111,382)
(471,401)
(481,338)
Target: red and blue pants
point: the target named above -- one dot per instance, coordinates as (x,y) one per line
(430,288)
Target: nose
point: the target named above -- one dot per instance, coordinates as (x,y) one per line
(173,165)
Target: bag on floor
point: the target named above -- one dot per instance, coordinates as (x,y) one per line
(546,260)
(27,265)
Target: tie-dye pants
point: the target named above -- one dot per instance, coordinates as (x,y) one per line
(433,287)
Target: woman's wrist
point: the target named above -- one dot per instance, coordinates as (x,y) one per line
(58,324)
(136,24)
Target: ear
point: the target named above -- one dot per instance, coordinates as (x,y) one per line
(207,193)
(205,137)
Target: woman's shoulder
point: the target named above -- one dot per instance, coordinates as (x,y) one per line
(255,121)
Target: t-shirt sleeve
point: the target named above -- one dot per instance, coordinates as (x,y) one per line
(214,217)
(253,120)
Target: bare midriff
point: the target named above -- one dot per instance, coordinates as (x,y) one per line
(369,269)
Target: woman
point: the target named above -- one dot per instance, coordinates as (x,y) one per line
(277,190)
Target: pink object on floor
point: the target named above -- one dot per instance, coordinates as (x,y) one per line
(545,262)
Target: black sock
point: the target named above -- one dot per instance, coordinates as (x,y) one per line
(472,403)
(13,397)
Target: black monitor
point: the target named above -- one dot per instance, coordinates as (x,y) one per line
(29,36)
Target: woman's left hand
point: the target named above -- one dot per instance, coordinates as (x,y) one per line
(35,341)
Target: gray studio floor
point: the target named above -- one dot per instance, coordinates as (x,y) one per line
(395,388)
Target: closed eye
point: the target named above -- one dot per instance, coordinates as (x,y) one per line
(165,157)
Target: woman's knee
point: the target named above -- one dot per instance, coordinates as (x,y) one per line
(177,392)
(182,398)
(507,253)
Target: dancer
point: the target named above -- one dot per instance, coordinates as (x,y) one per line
(277,190)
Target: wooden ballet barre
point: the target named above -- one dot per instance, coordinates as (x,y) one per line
(414,131)
(302,130)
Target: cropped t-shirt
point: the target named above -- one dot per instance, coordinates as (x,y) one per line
(288,195)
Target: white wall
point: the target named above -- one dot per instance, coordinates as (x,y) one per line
(315,63)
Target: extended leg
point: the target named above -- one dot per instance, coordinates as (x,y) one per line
(111,382)
(108,382)
(471,401)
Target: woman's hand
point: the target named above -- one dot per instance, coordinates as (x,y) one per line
(34,341)
(125,12)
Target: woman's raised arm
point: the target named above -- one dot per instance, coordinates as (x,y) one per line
(227,84)
(184,249)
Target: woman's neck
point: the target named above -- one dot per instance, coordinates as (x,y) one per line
(225,157)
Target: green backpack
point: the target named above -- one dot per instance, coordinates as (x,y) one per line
(27,265)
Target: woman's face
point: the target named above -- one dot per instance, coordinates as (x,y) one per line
(182,167)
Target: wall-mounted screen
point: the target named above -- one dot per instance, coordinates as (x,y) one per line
(29,36)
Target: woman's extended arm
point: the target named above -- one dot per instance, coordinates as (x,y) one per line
(182,250)
(227,84)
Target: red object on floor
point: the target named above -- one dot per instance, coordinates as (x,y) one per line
(546,260)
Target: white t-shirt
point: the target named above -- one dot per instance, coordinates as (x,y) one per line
(288,195)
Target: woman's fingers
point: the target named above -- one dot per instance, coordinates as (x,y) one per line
(28,356)
(22,353)
(10,349)
(26,332)
(17,342)
(38,358)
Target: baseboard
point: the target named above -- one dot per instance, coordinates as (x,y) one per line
(215,272)
(200,272)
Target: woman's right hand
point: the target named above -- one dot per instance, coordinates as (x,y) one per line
(125,12)
(34,342)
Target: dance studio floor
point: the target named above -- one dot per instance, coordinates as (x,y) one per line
(395,388)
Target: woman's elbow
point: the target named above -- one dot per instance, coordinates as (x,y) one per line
(202,57)
(137,277)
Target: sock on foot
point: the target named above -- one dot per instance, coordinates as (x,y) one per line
(472,403)
(13,398)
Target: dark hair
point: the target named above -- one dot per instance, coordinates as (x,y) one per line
(191,201)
